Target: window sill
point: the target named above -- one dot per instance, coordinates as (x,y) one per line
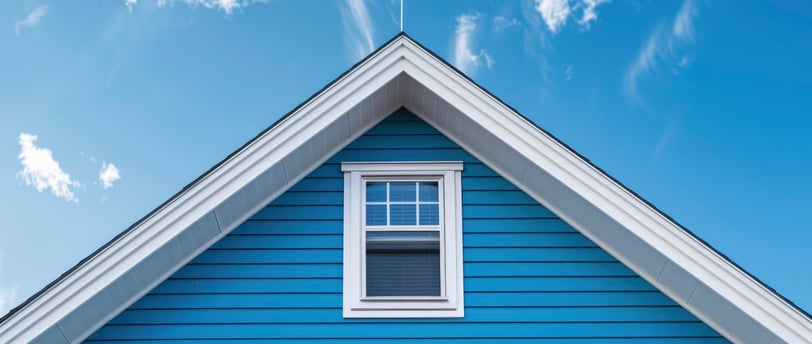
(404,298)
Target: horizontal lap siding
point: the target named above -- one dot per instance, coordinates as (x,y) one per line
(528,275)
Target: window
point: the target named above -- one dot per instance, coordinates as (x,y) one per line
(402,239)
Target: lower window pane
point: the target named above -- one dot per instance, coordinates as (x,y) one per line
(403,264)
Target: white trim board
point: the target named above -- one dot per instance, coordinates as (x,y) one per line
(402,73)
(449,304)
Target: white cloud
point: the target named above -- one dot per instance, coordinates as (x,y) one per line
(663,47)
(501,23)
(8,296)
(32,19)
(569,72)
(554,13)
(41,171)
(589,13)
(109,174)
(464,57)
(227,6)
(358,27)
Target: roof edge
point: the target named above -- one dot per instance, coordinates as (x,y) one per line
(539,150)
(647,222)
(91,275)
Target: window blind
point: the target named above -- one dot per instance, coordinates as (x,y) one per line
(403,264)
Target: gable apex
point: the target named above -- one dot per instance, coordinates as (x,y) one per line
(402,73)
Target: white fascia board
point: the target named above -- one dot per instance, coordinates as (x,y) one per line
(647,223)
(119,257)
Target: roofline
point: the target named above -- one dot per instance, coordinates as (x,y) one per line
(605,174)
(195,186)
(601,184)
(194,182)
(209,198)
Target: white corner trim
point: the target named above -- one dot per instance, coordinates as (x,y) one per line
(451,301)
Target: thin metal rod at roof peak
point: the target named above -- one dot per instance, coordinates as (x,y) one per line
(401,15)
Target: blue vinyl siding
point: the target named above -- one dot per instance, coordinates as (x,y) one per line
(528,275)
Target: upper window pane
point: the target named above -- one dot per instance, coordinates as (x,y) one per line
(376,214)
(402,203)
(429,214)
(402,191)
(428,192)
(402,215)
(376,192)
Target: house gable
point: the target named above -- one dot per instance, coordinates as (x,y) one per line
(528,274)
(404,74)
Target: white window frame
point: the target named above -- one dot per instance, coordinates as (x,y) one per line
(450,302)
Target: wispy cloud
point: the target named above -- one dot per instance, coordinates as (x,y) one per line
(7,299)
(501,23)
(358,27)
(8,296)
(227,6)
(536,45)
(665,139)
(41,171)
(463,55)
(663,47)
(644,64)
(686,60)
(556,13)
(32,19)
(109,173)
(130,4)
(684,23)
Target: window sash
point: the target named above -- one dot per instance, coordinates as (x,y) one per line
(403,264)
(418,203)
(374,265)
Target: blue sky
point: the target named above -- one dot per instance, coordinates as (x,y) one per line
(107,108)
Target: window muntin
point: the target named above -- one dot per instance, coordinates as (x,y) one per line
(402,203)
(402,239)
